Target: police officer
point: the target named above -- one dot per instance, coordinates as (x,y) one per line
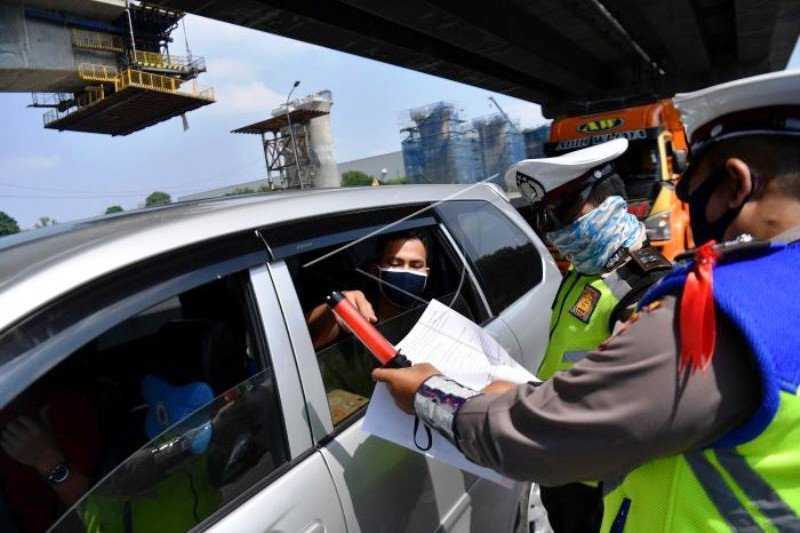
(585,215)
(581,202)
(692,409)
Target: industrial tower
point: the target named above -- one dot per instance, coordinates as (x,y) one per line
(298,144)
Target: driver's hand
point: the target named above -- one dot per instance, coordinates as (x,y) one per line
(404,382)
(30,442)
(361,303)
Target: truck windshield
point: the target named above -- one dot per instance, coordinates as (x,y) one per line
(640,161)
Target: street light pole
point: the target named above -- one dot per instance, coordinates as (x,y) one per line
(291,134)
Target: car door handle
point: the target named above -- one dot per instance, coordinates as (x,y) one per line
(314,527)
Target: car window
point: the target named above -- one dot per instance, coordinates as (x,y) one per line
(161,420)
(191,470)
(344,364)
(506,261)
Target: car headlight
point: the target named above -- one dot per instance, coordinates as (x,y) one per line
(659,227)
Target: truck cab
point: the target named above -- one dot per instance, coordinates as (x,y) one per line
(650,167)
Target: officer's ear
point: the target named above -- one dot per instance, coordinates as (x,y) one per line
(739,183)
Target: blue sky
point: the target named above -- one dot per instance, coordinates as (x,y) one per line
(66,175)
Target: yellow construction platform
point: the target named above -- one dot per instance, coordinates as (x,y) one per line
(128,110)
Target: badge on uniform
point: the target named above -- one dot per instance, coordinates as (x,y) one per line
(586,304)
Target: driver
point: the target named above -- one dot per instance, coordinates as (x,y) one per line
(401,274)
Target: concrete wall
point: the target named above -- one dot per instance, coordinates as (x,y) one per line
(392,162)
(37,56)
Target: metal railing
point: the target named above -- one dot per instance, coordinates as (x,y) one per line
(158,82)
(145,79)
(167,61)
(49,99)
(93,40)
(92,72)
(91,95)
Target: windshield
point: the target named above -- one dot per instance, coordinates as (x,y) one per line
(640,161)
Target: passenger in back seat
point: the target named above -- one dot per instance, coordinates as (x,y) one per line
(50,451)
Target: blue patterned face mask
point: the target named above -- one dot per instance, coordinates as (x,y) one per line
(590,241)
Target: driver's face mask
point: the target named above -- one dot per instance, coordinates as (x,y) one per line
(401,286)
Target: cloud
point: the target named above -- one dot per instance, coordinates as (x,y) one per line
(529,115)
(246,97)
(230,69)
(24,165)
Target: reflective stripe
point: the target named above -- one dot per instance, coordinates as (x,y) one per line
(720,494)
(573,357)
(780,515)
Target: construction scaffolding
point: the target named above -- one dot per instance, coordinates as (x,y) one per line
(438,147)
(501,145)
(298,144)
(535,139)
(131,80)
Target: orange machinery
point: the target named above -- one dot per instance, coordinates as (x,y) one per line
(650,167)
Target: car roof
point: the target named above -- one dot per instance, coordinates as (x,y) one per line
(38,266)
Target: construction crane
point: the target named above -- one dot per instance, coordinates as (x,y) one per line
(510,123)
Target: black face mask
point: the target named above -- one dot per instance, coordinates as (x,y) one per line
(703,230)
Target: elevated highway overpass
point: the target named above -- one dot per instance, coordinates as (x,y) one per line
(568,55)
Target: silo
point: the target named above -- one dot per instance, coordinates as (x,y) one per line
(315,142)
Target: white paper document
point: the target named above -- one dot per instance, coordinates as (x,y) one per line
(462,351)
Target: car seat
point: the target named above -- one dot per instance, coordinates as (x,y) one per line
(198,350)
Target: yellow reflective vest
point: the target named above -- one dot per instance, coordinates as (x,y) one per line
(750,479)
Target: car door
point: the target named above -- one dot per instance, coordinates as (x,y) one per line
(518,277)
(173,389)
(382,487)
(303,498)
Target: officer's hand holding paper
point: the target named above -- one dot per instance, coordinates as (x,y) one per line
(459,348)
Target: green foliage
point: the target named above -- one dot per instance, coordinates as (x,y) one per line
(355,178)
(158,198)
(43,222)
(264,188)
(395,181)
(8,225)
(241,190)
(114,209)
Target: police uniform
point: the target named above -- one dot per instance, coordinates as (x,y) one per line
(590,301)
(682,446)
(587,307)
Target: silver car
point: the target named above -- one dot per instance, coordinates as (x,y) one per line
(165,355)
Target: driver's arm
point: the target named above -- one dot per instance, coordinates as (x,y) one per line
(323,325)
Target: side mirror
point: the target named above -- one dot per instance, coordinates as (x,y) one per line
(679,161)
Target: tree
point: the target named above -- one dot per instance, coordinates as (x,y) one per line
(8,225)
(114,209)
(43,222)
(356,178)
(158,198)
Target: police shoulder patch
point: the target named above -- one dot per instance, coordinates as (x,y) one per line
(586,304)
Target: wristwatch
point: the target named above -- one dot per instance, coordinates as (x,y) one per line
(58,474)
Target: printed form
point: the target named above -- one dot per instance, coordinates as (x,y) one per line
(463,351)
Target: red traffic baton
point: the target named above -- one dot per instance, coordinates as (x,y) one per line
(382,349)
